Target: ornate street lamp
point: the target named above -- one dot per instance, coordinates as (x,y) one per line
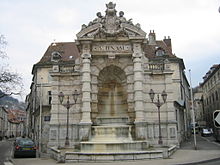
(158,104)
(68,105)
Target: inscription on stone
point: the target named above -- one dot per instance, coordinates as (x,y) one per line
(112,48)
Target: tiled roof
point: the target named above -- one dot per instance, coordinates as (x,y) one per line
(14,115)
(151,49)
(213,69)
(68,51)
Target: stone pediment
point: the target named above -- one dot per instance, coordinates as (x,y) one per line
(111,25)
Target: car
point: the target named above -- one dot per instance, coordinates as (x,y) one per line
(206,132)
(17,139)
(24,147)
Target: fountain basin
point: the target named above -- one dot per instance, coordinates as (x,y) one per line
(111,120)
(114,133)
(112,147)
(71,156)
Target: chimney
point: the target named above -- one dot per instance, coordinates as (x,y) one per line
(152,38)
(168,42)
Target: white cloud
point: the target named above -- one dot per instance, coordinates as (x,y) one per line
(66,16)
(30,26)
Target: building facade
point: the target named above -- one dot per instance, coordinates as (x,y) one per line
(12,123)
(3,122)
(211,93)
(198,106)
(16,123)
(113,66)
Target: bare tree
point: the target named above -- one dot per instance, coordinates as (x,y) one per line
(10,82)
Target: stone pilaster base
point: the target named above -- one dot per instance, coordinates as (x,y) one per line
(84,131)
(140,130)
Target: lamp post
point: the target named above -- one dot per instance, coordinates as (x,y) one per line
(193,112)
(158,104)
(68,105)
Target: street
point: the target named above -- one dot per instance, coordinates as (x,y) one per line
(5,151)
(185,155)
(214,162)
(203,143)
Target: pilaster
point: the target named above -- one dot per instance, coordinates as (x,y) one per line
(85,123)
(86,84)
(138,83)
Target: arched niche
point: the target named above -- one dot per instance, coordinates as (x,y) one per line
(112,96)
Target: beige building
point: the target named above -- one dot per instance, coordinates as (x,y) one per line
(3,122)
(113,65)
(16,123)
(198,106)
(12,123)
(211,93)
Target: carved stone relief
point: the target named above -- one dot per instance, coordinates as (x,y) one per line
(110,25)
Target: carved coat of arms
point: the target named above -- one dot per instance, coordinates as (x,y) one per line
(110,25)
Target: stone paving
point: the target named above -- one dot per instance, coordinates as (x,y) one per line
(207,149)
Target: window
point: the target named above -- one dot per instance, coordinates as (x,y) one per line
(213,97)
(56,56)
(160,52)
(46,118)
(49,97)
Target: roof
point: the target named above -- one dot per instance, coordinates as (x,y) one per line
(151,49)
(14,116)
(3,108)
(68,51)
(210,73)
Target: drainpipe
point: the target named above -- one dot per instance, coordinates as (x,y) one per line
(40,117)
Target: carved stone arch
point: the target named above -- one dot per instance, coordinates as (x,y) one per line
(106,64)
(128,69)
(95,70)
(112,95)
(113,73)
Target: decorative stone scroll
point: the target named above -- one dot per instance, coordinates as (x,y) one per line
(111,25)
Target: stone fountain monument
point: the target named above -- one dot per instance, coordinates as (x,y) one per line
(112,126)
(112,122)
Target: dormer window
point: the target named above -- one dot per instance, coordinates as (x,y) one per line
(160,52)
(56,56)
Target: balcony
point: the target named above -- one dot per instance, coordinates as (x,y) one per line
(158,66)
(64,69)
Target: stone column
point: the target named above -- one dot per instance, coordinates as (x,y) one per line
(85,123)
(86,89)
(140,124)
(138,83)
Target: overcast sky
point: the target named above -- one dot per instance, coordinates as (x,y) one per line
(31,26)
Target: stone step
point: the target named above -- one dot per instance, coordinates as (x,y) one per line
(113,146)
(111,120)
